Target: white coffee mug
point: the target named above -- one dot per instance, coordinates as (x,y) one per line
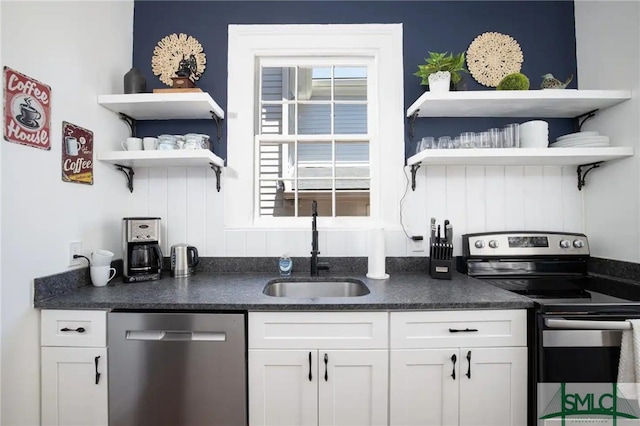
(72,145)
(132,144)
(101,275)
(150,144)
(101,258)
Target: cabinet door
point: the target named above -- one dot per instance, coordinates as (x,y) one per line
(353,387)
(496,392)
(70,395)
(283,387)
(424,387)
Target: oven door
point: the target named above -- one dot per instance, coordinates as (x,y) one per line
(577,367)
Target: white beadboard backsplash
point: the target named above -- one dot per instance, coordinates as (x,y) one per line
(473,198)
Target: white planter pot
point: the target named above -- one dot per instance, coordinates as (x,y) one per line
(439,81)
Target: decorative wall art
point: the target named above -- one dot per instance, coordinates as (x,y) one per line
(492,56)
(178,59)
(27,110)
(77,154)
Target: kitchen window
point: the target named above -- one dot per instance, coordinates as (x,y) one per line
(312,138)
(306,122)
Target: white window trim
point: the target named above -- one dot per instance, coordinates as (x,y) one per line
(382,42)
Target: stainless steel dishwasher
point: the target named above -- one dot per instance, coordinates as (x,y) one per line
(177,369)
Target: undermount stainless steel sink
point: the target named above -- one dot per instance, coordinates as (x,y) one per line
(303,288)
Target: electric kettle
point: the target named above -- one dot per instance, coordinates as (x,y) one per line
(184,258)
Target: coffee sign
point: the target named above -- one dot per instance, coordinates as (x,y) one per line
(77,154)
(27,110)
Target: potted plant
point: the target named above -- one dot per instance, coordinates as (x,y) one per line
(440,70)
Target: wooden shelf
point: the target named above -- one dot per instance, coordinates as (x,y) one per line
(174,158)
(163,106)
(519,156)
(568,103)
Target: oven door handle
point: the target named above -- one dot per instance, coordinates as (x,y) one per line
(586,324)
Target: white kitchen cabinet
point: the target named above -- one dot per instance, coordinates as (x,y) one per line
(318,368)
(458,368)
(74,388)
(71,392)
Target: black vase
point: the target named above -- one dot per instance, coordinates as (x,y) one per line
(134,81)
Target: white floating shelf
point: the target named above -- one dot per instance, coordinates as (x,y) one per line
(568,103)
(163,106)
(518,156)
(173,158)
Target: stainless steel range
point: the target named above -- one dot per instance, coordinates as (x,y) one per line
(576,327)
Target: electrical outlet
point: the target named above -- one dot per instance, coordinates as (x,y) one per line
(75,247)
(417,246)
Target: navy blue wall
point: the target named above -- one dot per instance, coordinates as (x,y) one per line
(545,31)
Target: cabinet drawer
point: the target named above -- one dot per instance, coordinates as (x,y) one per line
(319,330)
(73,328)
(446,329)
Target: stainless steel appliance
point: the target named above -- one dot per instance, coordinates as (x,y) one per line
(575,329)
(184,259)
(141,254)
(177,369)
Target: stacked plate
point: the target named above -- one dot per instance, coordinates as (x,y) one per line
(581,139)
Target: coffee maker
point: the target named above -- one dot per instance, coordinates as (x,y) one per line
(141,254)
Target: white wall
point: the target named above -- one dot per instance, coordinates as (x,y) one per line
(608,53)
(80,49)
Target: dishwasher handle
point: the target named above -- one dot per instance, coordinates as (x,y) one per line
(176,335)
(587,325)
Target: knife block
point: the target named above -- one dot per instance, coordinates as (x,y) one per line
(441,269)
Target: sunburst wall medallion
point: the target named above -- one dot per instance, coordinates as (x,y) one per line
(170,51)
(492,56)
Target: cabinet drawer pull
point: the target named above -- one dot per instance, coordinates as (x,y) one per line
(326,360)
(97,374)
(469,361)
(77,330)
(453,370)
(466,330)
(310,376)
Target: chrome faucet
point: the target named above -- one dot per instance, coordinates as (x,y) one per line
(315,265)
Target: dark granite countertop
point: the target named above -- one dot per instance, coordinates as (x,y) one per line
(212,291)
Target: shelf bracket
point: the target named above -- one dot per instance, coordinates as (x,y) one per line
(128,172)
(414,169)
(582,176)
(412,124)
(131,122)
(218,121)
(580,119)
(217,170)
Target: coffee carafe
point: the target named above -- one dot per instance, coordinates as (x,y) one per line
(141,254)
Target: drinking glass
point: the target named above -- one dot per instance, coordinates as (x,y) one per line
(444,142)
(428,142)
(482,140)
(495,138)
(467,140)
(511,134)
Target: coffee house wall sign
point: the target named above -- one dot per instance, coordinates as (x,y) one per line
(27,110)
(77,154)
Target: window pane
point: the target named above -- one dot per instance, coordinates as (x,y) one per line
(315,185)
(314,119)
(272,84)
(352,203)
(323,200)
(349,152)
(271,120)
(350,83)
(276,160)
(314,83)
(350,119)
(314,152)
(275,200)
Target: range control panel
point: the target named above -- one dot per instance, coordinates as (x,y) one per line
(523,243)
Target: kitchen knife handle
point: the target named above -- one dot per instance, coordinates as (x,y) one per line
(453,361)
(77,330)
(310,376)
(469,360)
